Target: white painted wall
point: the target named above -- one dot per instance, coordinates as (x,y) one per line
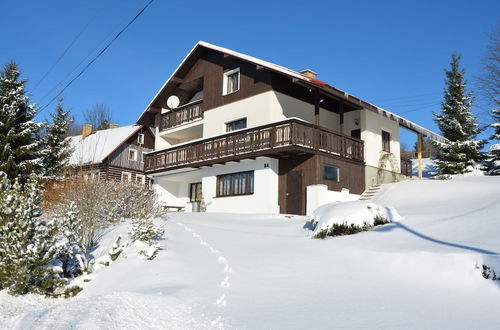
(174,188)
(372,125)
(265,196)
(263,109)
(319,194)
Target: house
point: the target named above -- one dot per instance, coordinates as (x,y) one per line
(234,133)
(115,154)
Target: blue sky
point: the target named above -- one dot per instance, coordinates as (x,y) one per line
(391,53)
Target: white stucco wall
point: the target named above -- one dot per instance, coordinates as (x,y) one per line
(256,109)
(173,189)
(263,109)
(319,194)
(372,125)
(265,196)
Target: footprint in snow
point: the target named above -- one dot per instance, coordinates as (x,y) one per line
(222,260)
(217,322)
(195,235)
(202,242)
(214,251)
(228,269)
(225,283)
(221,301)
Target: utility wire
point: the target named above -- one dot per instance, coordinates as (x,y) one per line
(97,56)
(69,47)
(84,59)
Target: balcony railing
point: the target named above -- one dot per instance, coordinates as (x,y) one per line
(289,135)
(181,115)
(406,167)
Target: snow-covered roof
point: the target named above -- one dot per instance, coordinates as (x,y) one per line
(96,147)
(307,80)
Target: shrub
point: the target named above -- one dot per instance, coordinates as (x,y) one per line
(99,204)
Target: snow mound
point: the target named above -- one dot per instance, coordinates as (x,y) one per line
(357,213)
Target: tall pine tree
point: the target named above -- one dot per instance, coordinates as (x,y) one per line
(494,151)
(457,124)
(21,150)
(58,149)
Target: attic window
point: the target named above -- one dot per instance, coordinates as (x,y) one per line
(132,154)
(231,82)
(140,138)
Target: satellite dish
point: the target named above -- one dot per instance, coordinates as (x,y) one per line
(173,102)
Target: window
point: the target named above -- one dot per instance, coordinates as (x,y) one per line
(195,192)
(231,81)
(386,141)
(235,125)
(330,173)
(235,184)
(126,177)
(140,138)
(132,154)
(139,178)
(356,133)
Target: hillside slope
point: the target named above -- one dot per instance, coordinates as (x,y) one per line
(261,271)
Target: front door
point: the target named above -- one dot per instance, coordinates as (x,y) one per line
(195,196)
(294,193)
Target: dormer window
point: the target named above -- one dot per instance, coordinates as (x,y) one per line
(231,83)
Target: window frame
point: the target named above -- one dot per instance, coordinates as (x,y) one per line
(225,81)
(135,152)
(229,123)
(324,176)
(386,143)
(143,178)
(225,184)
(192,186)
(140,138)
(126,174)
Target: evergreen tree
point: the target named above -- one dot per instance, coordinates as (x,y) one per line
(457,124)
(58,148)
(20,149)
(28,247)
(494,151)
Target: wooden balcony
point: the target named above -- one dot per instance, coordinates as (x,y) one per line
(274,140)
(181,115)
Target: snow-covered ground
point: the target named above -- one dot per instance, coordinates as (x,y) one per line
(263,271)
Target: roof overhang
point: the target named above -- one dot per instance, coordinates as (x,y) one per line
(298,78)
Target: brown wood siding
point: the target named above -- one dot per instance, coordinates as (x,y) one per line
(114,173)
(149,139)
(211,67)
(351,176)
(120,157)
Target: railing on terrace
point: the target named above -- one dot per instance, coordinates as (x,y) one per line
(267,139)
(183,114)
(406,167)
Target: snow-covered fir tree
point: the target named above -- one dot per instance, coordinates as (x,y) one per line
(494,151)
(58,149)
(21,151)
(457,124)
(28,246)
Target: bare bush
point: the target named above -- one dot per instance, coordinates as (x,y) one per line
(100,204)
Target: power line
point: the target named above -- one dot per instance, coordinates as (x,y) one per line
(98,55)
(69,47)
(83,60)
(408,97)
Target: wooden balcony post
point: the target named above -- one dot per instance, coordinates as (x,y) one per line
(419,152)
(341,117)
